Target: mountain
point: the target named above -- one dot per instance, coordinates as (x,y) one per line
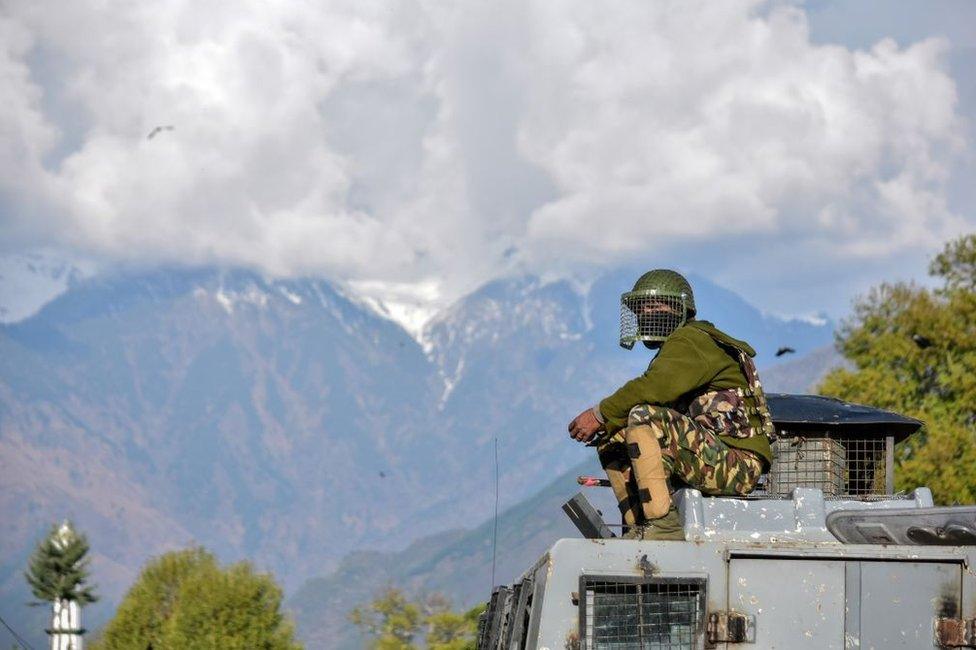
(219,409)
(289,423)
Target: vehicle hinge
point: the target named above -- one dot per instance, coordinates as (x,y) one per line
(955,632)
(730,627)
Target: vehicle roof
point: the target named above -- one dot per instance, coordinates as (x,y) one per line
(814,412)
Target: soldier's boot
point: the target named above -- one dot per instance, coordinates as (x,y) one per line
(615,463)
(667,527)
(649,472)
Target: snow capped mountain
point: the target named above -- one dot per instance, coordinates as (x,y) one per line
(507,317)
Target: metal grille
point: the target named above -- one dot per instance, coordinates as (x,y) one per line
(801,462)
(840,466)
(644,316)
(867,467)
(642,613)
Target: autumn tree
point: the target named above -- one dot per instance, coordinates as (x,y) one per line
(394,622)
(913,350)
(185,599)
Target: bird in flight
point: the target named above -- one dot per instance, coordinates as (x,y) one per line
(784,350)
(159,129)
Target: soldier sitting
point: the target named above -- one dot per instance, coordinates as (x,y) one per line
(696,417)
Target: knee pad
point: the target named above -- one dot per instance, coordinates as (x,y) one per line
(619,471)
(648,467)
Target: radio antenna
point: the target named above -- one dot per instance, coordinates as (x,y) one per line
(494,536)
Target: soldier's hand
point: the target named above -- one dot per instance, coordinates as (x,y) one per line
(584,426)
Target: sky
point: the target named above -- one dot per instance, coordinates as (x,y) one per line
(797,153)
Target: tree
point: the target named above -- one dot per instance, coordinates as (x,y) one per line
(391,620)
(396,623)
(185,599)
(453,630)
(152,600)
(58,568)
(914,351)
(58,574)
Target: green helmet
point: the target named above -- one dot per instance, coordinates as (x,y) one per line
(661,302)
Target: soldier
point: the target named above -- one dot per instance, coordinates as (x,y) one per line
(696,417)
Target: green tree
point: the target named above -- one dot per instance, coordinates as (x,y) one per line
(914,351)
(58,568)
(185,599)
(396,623)
(454,630)
(152,600)
(58,574)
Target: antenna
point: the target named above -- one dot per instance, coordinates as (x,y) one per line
(494,536)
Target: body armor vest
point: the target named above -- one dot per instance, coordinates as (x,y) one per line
(735,412)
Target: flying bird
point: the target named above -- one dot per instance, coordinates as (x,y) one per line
(158,130)
(382,474)
(921,341)
(784,350)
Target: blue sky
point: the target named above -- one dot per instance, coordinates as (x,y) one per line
(795,152)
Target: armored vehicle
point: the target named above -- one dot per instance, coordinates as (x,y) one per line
(822,555)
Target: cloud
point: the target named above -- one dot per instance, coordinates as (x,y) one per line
(439,144)
(726,122)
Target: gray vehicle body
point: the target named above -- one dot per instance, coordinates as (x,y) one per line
(774,572)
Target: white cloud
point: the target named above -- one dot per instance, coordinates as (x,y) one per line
(706,123)
(431,144)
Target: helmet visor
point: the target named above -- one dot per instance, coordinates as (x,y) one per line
(649,316)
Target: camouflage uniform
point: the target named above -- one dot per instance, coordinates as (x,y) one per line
(694,453)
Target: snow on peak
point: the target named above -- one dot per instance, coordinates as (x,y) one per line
(293,298)
(229,299)
(409,305)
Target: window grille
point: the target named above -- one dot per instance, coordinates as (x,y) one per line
(623,613)
(842,466)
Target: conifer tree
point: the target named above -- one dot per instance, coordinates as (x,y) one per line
(58,568)
(58,574)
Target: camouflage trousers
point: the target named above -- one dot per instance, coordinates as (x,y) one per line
(693,455)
